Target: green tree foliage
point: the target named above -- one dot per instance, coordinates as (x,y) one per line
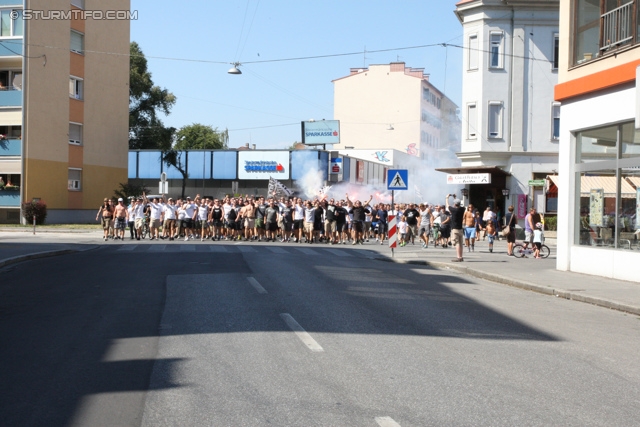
(146,102)
(127,191)
(197,136)
(172,157)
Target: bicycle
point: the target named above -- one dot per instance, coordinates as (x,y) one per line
(145,228)
(519,251)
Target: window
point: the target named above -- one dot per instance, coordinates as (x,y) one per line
(556,49)
(472,121)
(608,182)
(11,27)
(555,121)
(495,119)
(496,50)
(75,179)
(78,3)
(10,80)
(77,42)
(75,133)
(473,52)
(426,94)
(75,87)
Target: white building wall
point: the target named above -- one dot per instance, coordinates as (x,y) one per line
(605,108)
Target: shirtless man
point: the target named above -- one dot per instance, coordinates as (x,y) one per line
(469,224)
(122,216)
(249,214)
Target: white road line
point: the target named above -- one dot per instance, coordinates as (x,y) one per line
(216,248)
(277,250)
(127,247)
(301,333)
(339,252)
(257,285)
(187,248)
(386,422)
(246,249)
(157,248)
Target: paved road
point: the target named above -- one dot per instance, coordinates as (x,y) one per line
(299,335)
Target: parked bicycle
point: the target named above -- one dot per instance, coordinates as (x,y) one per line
(519,251)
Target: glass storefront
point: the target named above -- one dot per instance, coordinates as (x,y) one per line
(608,187)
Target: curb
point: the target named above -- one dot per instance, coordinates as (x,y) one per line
(44,254)
(520,284)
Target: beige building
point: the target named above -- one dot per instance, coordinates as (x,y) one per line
(392,106)
(65,115)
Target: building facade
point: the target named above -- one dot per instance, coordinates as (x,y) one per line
(394,107)
(64,113)
(599,166)
(510,120)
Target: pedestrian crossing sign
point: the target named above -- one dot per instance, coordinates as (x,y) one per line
(397,179)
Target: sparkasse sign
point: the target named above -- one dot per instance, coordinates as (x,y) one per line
(321,132)
(469,178)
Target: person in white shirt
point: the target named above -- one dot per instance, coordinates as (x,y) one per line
(138,211)
(189,210)
(132,218)
(155,217)
(169,225)
(309,216)
(203,217)
(298,219)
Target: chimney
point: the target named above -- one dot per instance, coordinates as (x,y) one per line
(246,145)
(397,66)
(254,146)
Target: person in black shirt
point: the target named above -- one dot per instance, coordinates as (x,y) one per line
(359,212)
(330,221)
(457,214)
(412,216)
(215,217)
(340,214)
(271,220)
(286,213)
(318,226)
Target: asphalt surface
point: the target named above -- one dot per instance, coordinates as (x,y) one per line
(529,274)
(202,333)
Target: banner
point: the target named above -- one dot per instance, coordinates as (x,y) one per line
(278,187)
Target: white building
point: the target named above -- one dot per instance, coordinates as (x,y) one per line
(394,107)
(510,122)
(599,174)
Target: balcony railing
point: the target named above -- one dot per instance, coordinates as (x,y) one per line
(9,198)
(10,98)
(10,147)
(617,26)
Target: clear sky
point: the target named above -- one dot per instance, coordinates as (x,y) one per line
(264,105)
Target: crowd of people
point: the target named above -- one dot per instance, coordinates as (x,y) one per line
(293,219)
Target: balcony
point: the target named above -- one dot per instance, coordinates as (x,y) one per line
(11,47)
(9,198)
(617,27)
(10,147)
(10,98)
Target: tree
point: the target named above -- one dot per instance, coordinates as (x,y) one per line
(146,102)
(127,191)
(201,137)
(172,157)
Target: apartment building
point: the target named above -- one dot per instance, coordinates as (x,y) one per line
(599,165)
(510,121)
(392,106)
(63,105)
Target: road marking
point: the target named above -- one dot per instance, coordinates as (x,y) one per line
(157,248)
(386,422)
(187,248)
(216,248)
(301,333)
(339,252)
(127,248)
(257,285)
(246,249)
(277,250)
(308,251)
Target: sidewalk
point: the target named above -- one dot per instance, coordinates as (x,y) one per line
(538,275)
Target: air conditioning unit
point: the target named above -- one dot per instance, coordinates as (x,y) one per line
(74,141)
(74,184)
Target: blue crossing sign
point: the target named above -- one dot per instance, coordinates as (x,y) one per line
(397,179)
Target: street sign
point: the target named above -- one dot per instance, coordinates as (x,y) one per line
(536,182)
(163,187)
(397,179)
(469,178)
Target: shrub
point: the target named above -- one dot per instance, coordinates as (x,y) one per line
(39,209)
(551,223)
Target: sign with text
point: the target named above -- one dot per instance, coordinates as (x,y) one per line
(321,132)
(263,165)
(336,166)
(536,182)
(469,178)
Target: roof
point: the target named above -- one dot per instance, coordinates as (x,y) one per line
(596,182)
(475,169)
(464,2)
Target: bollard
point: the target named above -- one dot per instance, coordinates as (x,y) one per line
(34,225)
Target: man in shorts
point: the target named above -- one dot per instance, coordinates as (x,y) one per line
(457,212)
(271,214)
(121,214)
(330,221)
(155,218)
(469,222)
(298,220)
(261,208)
(426,218)
(139,217)
(412,215)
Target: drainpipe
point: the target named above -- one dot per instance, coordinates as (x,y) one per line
(23,138)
